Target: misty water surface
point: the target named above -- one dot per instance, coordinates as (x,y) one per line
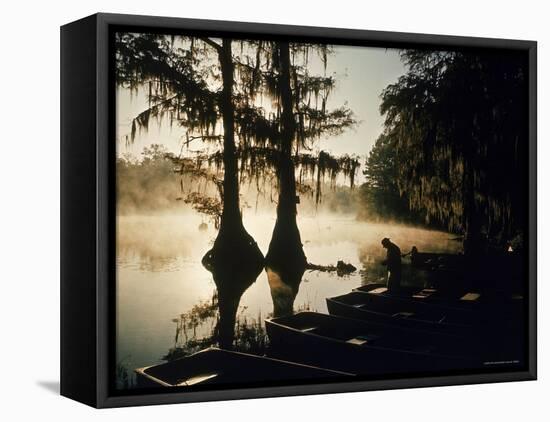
(160,277)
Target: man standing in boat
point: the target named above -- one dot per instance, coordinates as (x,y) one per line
(393,262)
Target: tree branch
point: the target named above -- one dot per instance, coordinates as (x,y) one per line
(211,43)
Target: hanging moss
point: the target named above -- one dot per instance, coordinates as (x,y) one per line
(458,124)
(182,85)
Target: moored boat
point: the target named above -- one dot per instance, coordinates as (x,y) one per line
(458,303)
(367,307)
(366,348)
(218,366)
(495,332)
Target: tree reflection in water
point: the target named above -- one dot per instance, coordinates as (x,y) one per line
(284,287)
(218,322)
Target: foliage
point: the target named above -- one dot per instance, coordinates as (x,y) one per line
(458,123)
(300,123)
(380,195)
(168,71)
(146,185)
(197,329)
(183,83)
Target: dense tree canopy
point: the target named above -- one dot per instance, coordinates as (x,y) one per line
(380,195)
(184,84)
(457,124)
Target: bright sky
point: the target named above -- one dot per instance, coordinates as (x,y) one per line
(361,73)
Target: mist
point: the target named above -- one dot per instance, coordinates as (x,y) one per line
(150,189)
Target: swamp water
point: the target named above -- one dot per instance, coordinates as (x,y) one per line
(166,301)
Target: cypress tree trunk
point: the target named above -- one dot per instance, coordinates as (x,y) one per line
(231,218)
(286,255)
(234,252)
(474,244)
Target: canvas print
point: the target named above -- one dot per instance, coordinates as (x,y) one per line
(291,212)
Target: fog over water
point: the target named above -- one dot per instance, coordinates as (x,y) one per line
(160,276)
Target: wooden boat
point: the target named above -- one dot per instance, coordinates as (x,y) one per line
(457,303)
(366,348)
(367,307)
(499,331)
(217,366)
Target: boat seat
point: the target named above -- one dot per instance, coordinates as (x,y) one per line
(378,291)
(362,340)
(423,294)
(470,297)
(197,379)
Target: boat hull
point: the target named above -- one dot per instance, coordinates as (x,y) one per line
(497,340)
(362,348)
(222,367)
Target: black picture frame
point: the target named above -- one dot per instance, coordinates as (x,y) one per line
(88,205)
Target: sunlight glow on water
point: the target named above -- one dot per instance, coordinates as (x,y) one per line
(160,276)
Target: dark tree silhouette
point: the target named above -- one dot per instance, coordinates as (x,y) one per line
(285,252)
(458,123)
(234,250)
(179,88)
(299,124)
(257,140)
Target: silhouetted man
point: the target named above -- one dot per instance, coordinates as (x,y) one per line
(415,257)
(393,262)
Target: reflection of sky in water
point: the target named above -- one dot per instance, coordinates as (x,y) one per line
(159,274)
